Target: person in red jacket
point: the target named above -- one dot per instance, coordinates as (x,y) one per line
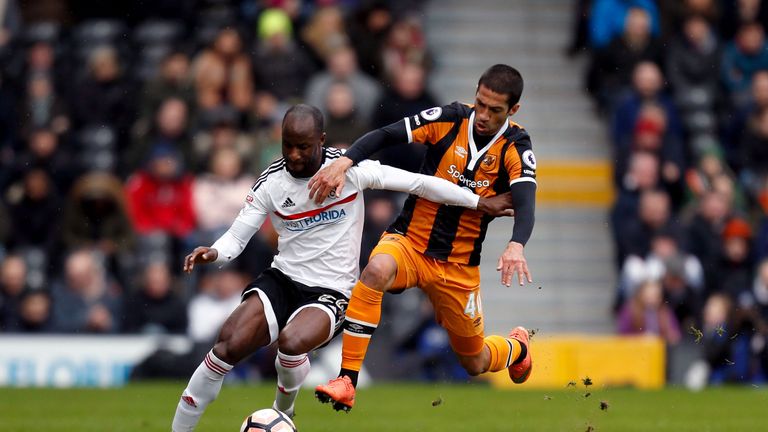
(160,196)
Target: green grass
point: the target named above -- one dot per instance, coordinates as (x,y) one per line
(396,407)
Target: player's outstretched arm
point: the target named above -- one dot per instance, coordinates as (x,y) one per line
(201,255)
(512,260)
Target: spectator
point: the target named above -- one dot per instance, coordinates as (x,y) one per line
(103,97)
(221,131)
(283,68)
(368,30)
(95,217)
(342,67)
(218,194)
(222,73)
(693,60)
(739,12)
(405,44)
(647,89)
(44,151)
(173,82)
(10,24)
(718,317)
(735,269)
(325,32)
(704,235)
(681,273)
(754,147)
(34,312)
(654,215)
(674,14)
(155,307)
(611,70)
(734,131)
(86,300)
(219,296)
(342,125)
(13,283)
(608,18)
(37,216)
(646,313)
(160,197)
(42,107)
(169,129)
(742,58)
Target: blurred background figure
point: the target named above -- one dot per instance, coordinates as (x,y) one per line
(156,306)
(87,299)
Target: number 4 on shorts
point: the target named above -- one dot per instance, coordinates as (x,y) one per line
(471,308)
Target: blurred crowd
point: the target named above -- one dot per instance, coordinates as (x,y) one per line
(130,132)
(683,89)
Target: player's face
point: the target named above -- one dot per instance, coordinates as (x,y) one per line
(302,148)
(491,110)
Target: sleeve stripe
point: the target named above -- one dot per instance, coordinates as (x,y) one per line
(523,179)
(408,129)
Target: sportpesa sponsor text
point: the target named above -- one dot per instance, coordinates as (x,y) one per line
(454,172)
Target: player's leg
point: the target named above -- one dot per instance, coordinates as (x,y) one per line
(310,327)
(455,294)
(245,331)
(391,267)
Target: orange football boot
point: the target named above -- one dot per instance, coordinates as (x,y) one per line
(520,372)
(340,391)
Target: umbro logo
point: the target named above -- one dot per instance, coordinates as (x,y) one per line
(288,203)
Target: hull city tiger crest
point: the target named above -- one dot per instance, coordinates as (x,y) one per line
(489,162)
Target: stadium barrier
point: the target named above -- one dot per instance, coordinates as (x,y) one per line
(77,361)
(610,361)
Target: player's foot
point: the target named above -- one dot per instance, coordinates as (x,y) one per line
(519,372)
(340,391)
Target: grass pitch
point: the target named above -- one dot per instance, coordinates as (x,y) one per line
(397,407)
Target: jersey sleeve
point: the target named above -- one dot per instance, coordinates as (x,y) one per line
(520,162)
(431,125)
(373,175)
(253,214)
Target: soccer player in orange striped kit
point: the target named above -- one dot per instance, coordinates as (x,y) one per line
(437,247)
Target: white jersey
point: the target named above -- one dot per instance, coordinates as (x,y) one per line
(320,245)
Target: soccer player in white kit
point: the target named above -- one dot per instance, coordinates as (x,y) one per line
(300,301)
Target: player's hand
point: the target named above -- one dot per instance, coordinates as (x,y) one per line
(513,261)
(201,255)
(330,178)
(497,206)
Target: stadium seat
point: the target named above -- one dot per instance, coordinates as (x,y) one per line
(97,146)
(45,31)
(154,32)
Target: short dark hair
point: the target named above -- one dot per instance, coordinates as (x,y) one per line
(304,110)
(503,79)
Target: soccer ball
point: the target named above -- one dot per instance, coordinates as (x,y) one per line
(267,420)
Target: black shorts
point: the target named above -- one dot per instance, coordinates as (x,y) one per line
(283,298)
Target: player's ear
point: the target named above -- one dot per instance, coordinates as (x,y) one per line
(322,139)
(513,110)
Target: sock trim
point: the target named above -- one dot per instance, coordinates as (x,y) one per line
(511,351)
(361,322)
(215,364)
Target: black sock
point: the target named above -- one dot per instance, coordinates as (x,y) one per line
(523,353)
(352,374)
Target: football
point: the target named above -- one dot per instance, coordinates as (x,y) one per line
(268,420)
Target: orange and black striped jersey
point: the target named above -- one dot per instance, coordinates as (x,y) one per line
(452,233)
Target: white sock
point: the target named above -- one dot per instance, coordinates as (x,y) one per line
(291,372)
(202,389)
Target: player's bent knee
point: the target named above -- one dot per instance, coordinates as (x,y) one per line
(228,351)
(293,343)
(380,272)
